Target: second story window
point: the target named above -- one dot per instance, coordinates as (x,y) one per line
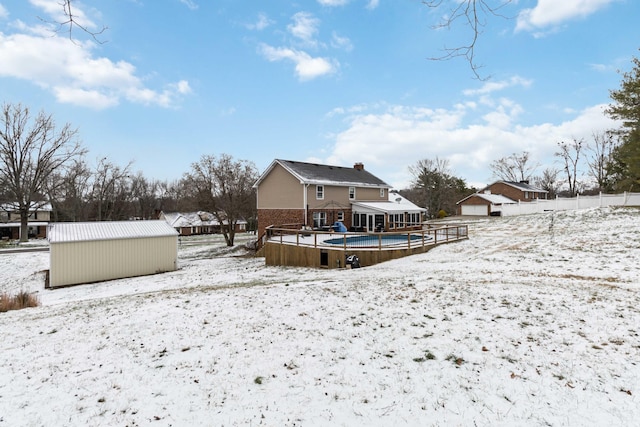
(352,193)
(382,193)
(320,192)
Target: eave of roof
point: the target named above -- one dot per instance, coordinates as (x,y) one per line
(318,174)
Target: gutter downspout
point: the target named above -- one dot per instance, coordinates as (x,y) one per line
(305,190)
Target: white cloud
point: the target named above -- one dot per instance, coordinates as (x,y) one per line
(73,74)
(3,12)
(373,4)
(262,23)
(306,66)
(397,136)
(304,27)
(333,2)
(493,86)
(339,42)
(190,4)
(549,13)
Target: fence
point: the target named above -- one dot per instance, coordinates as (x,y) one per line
(572,203)
(370,241)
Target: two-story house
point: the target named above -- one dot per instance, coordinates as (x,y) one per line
(39,217)
(489,200)
(314,195)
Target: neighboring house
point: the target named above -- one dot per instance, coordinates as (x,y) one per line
(313,195)
(191,223)
(39,217)
(490,199)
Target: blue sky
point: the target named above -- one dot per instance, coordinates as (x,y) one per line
(329,81)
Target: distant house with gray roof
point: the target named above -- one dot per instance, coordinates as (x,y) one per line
(315,195)
(490,199)
(192,223)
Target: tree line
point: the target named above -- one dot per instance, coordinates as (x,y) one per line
(40,162)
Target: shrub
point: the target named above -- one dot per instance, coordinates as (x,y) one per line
(442,213)
(16,302)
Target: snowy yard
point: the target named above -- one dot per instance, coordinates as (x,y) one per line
(534,320)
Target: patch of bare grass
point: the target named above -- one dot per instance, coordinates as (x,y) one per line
(17,302)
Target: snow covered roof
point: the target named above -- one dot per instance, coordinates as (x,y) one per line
(522,186)
(312,173)
(35,206)
(395,204)
(494,199)
(193,219)
(107,230)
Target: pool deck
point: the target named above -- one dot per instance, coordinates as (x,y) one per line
(305,248)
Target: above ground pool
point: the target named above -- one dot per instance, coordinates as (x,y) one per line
(372,240)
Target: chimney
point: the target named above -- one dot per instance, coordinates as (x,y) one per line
(359,166)
(524,181)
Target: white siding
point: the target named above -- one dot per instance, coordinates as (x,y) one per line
(75,261)
(474,210)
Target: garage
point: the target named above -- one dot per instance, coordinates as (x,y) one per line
(478,210)
(482,204)
(87,252)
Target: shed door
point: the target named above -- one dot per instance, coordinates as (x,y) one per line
(475,210)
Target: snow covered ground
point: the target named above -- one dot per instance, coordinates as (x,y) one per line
(532,321)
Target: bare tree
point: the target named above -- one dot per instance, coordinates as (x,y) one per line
(69,191)
(599,153)
(514,168)
(473,14)
(111,190)
(73,20)
(31,150)
(225,188)
(145,194)
(548,181)
(569,153)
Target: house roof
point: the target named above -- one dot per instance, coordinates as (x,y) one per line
(35,206)
(522,186)
(193,219)
(61,232)
(494,199)
(312,173)
(395,204)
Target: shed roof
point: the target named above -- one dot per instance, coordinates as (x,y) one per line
(312,173)
(108,230)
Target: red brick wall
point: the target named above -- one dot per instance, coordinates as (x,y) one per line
(511,192)
(267,217)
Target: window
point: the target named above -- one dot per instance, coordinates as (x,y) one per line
(382,192)
(320,192)
(526,195)
(340,216)
(352,193)
(319,219)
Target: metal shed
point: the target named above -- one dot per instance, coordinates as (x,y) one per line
(86,252)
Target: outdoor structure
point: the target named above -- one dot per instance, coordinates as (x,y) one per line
(315,196)
(39,217)
(89,252)
(191,223)
(491,199)
(319,249)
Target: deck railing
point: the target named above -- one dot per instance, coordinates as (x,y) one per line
(371,241)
